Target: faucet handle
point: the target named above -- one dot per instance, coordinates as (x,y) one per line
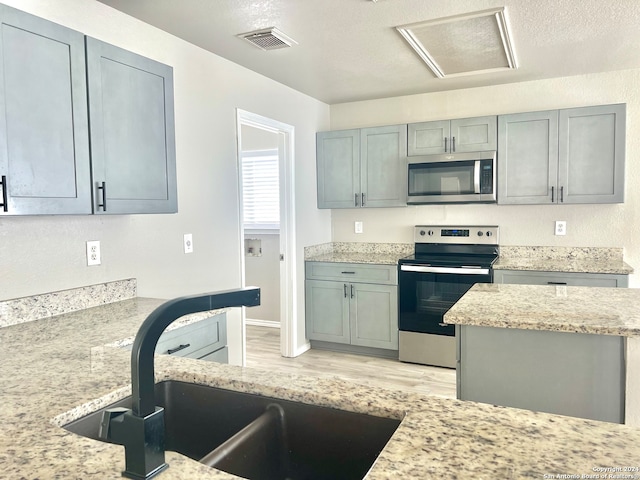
(108,416)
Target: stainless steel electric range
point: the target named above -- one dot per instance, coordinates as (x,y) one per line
(448,261)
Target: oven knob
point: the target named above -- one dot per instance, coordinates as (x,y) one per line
(422,233)
(480,233)
(430,233)
(489,233)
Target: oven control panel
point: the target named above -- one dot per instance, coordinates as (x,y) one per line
(473,235)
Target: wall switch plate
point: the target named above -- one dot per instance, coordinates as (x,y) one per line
(561,227)
(358,227)
(93,253)
(188,243)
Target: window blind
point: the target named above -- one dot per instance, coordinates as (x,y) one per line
(260,189)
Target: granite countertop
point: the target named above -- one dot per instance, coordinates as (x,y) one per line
(605,311)
(54,369)
(353,252)
(563,259)
(527,258)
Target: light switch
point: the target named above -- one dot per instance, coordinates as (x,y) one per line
(358,227)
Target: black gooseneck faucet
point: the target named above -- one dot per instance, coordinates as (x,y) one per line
(141,428)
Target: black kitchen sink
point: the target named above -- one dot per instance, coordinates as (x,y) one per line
(259,437)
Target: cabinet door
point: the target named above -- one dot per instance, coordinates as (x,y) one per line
(428,138)
(327,311)
(522,277)
(338,164)
(44,143)
(528,158)
(383,166)
(374,315)
(474,134)
(591,154)
(132,131)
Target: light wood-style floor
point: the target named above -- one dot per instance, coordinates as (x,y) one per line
(263,351)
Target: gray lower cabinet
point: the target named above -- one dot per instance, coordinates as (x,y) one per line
(523,277)
(572,155)
(362,167)
(452,136)
(132,131)
(352,304)
(575,374)
(44,143)
(49,75)
(204,340)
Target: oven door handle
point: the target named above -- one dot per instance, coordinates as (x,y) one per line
(453,270)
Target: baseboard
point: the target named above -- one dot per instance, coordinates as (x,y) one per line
(262,323)
(303,348)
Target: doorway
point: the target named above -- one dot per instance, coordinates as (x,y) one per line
(259,140)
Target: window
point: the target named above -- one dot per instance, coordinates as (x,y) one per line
(260,192)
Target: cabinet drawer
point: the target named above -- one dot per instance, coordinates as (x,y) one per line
(523,277)
(352,272)
(186,341)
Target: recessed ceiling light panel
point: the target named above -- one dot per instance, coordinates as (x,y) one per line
(268,39)
(465,44)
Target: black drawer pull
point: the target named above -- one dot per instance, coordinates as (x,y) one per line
(3,184)
(178,348)
(349,273)
(556,283)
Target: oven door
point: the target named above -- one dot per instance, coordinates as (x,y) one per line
(426,293)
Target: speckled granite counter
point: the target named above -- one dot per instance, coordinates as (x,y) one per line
(53,365)
(372,253)
(563,259)
(603,311)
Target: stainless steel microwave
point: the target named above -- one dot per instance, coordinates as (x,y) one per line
(452,178)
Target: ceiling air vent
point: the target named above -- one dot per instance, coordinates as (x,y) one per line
(467,44)
(268,39)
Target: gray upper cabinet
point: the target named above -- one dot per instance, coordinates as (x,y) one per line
(362,168)
(527,157)
(591,154)
(132,131)
(338,165)
(562,156)
(44,144)
(452,136)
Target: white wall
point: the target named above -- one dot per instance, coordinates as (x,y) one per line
(43,254)
(587,225)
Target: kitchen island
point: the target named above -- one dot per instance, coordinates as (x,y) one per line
(60,368)
(559,349)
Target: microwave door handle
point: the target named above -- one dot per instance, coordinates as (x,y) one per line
(476,177)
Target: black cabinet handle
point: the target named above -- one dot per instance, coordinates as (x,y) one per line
(552,189)
(345,290)
(178,348)
(3,184)
(445,144)
(363,198)
(561,194)
(453,144)
(102,187)
(351,291)
(556,283)
(349,273)
(356,199)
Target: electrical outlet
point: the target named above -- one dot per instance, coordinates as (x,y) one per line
(93,253)
(561,227)
(188,243)
(358,227)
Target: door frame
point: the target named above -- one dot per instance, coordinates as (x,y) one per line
(288,287)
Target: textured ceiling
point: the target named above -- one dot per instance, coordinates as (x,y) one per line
(349,50)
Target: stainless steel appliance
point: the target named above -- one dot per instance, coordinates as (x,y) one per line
(452,178)
(448,261)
